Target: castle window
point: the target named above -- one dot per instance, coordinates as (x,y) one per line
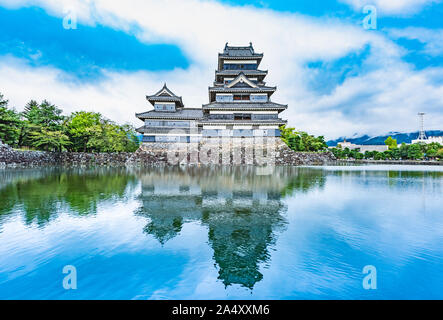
(164,107)
(259,97)
(223,98)
(242,116)
(242,97)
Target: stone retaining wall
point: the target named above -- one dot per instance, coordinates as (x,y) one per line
(16,158)
(208,152)
(212,151)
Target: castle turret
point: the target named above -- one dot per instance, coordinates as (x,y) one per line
(239,101)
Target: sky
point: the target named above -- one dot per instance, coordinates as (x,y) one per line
(339,72)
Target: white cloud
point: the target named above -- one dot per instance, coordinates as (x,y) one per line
(118,97)
(386,98)
(392,7)
(381,101)
(433,39)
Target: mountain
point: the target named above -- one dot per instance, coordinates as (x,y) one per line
(380,140)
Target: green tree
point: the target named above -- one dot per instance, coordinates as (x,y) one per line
(81,127)
(302,141)
(356,154)
(338,153)
(395,154)
(89,131)
(431,153)
(404,151)
(379,156)
(431,149)
(49,140)
(45,115)
(387,154)
(10,123)
(440,154)
(37,118)
(415,152)
(391,143)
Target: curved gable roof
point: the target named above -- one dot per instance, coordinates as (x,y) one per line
(241,78)
(165,95)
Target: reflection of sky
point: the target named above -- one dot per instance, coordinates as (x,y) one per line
(393,223)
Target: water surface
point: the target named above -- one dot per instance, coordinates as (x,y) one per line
(222,233)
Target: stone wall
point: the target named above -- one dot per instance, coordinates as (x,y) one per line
(286,156)
(207,152)
(212,151)
(15,158)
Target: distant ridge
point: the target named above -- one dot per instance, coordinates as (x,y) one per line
(380,140)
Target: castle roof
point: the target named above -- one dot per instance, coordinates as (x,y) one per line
(233,52)
(165,95)
(182,114)
(244,106)
(279,122)
(245,71)
(239,53)
(245,89)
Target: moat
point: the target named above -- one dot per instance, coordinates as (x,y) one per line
(222,232)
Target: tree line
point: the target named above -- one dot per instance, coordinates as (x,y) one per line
(417,151)
(42,126)
(301,141)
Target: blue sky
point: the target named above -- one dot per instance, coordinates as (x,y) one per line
(337,77)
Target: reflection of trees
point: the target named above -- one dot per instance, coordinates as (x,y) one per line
(304,181)
(40,194)
(243,211)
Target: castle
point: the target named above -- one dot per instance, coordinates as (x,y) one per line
(239,105)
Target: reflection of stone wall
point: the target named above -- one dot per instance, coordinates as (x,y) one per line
(220,179)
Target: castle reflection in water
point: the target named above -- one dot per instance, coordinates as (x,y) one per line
(243,211)
(187,232)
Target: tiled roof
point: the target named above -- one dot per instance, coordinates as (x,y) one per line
(234,52)
(248,89)
(165,95)
(236,72)
(165,89)
(245,105)
(163,98)
(247,122)
(158,130)
(187,114)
